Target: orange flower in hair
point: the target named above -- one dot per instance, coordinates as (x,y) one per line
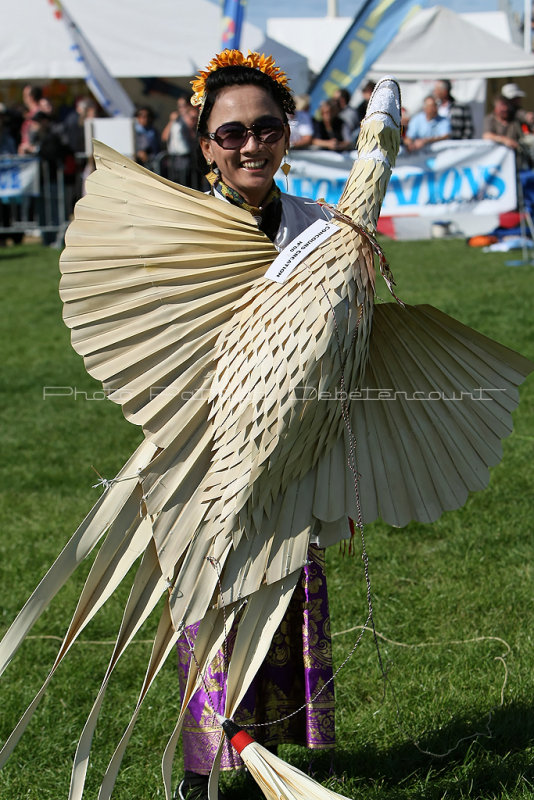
(235,58)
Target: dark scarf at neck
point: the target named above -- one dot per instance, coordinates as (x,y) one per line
(268,215)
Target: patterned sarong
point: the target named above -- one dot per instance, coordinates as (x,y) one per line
(298,664)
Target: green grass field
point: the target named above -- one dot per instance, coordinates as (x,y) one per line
(453,601)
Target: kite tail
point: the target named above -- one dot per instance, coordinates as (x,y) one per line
(118,513)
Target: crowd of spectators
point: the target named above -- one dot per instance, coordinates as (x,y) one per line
(35,126)
(441,117)
(444,118)
(57,135)
(336,123)
(173,151)
(335,126)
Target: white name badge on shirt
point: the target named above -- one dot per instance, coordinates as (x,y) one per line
(297,250)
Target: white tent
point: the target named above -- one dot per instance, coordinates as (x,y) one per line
(165,39)
(436,42)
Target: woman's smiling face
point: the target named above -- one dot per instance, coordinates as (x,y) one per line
(248,169)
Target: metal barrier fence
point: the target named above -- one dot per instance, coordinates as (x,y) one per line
(33,198)
(37,197)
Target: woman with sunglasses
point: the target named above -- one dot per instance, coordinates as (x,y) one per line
(243,136)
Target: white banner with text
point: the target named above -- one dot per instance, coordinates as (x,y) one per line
(471,176)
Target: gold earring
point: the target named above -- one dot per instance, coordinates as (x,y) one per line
(212,176)
(286,168)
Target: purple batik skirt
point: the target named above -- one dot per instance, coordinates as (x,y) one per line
(298,664)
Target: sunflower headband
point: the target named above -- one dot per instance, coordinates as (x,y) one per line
(235,58)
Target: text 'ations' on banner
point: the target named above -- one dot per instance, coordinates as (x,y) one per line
(473,176)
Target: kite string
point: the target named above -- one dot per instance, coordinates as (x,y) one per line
(352,462)
(487,733)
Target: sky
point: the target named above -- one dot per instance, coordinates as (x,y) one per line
(259,10)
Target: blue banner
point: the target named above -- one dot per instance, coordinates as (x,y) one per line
(233,14)
(19,175)
(375,25)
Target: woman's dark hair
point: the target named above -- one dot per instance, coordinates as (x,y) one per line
(243,76)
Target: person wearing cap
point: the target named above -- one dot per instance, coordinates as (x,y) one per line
(501,125)
(514,95)
(458,114)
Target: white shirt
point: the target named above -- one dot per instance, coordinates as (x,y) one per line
(179,143)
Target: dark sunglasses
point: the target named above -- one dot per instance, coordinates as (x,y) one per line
(232,135)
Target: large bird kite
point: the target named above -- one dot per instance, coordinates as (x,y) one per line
(165,292)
